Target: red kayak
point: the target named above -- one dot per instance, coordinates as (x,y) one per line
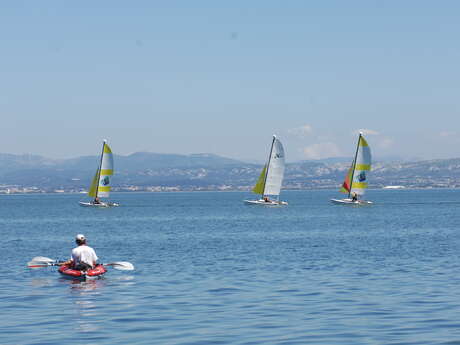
(93,273)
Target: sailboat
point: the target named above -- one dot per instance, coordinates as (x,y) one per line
(100,185)
(270,179)
(355,182)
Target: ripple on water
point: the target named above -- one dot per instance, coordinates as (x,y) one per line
(210,270)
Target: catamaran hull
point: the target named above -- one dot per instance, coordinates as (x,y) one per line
(265,203)
(102,204)
(94,273)
(351,202)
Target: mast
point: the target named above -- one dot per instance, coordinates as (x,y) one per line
(354,165)
(100,166)
(268,164)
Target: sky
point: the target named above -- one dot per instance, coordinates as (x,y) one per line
(222,77)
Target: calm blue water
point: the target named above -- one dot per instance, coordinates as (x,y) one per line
(211,270)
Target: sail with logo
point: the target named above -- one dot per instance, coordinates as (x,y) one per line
(101,183)
(271,178)
(355,183)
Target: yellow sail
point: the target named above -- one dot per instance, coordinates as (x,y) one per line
(107,148)
(93,187)
(260,185)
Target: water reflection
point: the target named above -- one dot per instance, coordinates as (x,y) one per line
(83,287)
(125,280)
(85,296)
(40,282)
(89,300)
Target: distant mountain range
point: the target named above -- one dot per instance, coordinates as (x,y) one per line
(153,171)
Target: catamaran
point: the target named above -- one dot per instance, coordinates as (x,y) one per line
(355,182)
(100,185)
(270,179)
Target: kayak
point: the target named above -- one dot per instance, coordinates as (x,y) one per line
(266,203)
(351,202)
(93,273)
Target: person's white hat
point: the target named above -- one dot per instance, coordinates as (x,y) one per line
(80,237)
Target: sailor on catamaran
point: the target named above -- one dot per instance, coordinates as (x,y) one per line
(83,256)
(354,197)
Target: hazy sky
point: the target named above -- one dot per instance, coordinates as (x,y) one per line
(223,76)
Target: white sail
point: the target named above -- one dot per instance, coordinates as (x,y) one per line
(362,167)
(275,169)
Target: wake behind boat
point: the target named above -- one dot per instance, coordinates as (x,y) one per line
(351,202)
(265,202)
(270,179)
(100,204)
(355,182)
(100,185)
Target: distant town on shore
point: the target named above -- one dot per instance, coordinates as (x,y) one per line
(153,172)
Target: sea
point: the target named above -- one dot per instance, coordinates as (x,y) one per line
(211,270)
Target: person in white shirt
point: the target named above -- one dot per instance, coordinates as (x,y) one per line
(83,256)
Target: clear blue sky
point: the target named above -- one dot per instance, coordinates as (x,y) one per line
(222,77)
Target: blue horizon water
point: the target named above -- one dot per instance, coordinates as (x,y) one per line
(211,270)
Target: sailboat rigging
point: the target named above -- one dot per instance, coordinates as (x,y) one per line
(100,185)
(355,182)
(270,179)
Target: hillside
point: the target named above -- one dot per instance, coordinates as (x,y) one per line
(153,171)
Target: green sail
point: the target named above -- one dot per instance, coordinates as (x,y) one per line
(260,185)
(93,187)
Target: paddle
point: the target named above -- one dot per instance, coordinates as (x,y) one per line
(121,265)
(41,261)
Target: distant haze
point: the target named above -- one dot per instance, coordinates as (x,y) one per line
(222,78)
(150,172)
